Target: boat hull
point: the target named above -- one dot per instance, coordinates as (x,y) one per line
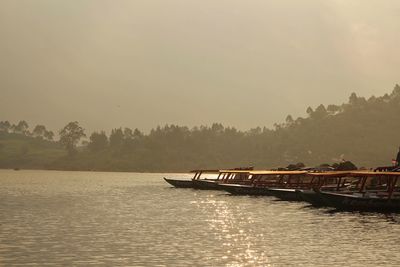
(360,203)
(281,193)
(286,194)
(180,183)
(237,189)
(312,197)
(206,184)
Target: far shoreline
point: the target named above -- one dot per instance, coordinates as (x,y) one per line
(60,170)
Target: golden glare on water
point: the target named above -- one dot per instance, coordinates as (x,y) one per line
(232,231)
(133,219)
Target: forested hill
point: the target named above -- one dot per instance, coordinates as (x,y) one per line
(364,131)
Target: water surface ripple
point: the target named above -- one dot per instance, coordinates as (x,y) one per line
(52,218)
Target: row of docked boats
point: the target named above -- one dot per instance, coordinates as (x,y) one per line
(342,190)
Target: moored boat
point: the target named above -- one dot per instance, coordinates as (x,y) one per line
(180,183)
(186,183)
(237,175)
(243,189)
(377,191)
(281,184)
(206,184)
(324,181)
(287,194)
(198,181)
(361,201)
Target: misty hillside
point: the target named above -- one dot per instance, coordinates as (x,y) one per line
(364,131)
(19,150)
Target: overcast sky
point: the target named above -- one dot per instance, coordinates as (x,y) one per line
(143,63)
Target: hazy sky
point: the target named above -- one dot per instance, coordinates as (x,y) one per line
(143,63)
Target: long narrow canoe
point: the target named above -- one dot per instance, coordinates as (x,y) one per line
(315,199)
(179,183)
(186,183)
(198,182)
(312,197)
(374,191)
(361,202)
(266,183)
(288,194)
(206,184)
(341,184)
(239,189)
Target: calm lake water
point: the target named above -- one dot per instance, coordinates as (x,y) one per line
(50,218)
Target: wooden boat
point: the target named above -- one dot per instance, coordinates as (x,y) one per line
(206,184)
(287,194)
(179,183)
(361,202)
(236,175)
(281,184)
(198,182)
(185,183)
(242,189)
(242,186)
(325,181)
(291,185)
(377,191)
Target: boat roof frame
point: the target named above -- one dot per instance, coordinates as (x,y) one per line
(353,174)
(330,174)
(264,172)
(372,173)
(205,171)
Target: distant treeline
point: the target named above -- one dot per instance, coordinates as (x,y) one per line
(364,131)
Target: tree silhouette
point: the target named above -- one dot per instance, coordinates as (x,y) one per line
(21,127)
(39,131)
(364,131)
(289,119)
(5,126)
(116,138)
(309,111)
(98,141)
(49,135)
(70,136)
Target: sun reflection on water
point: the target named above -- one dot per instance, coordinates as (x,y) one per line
(231,227)
(81,219)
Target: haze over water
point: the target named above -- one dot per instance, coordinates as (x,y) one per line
(169,86)
(52,218)
(145,63)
